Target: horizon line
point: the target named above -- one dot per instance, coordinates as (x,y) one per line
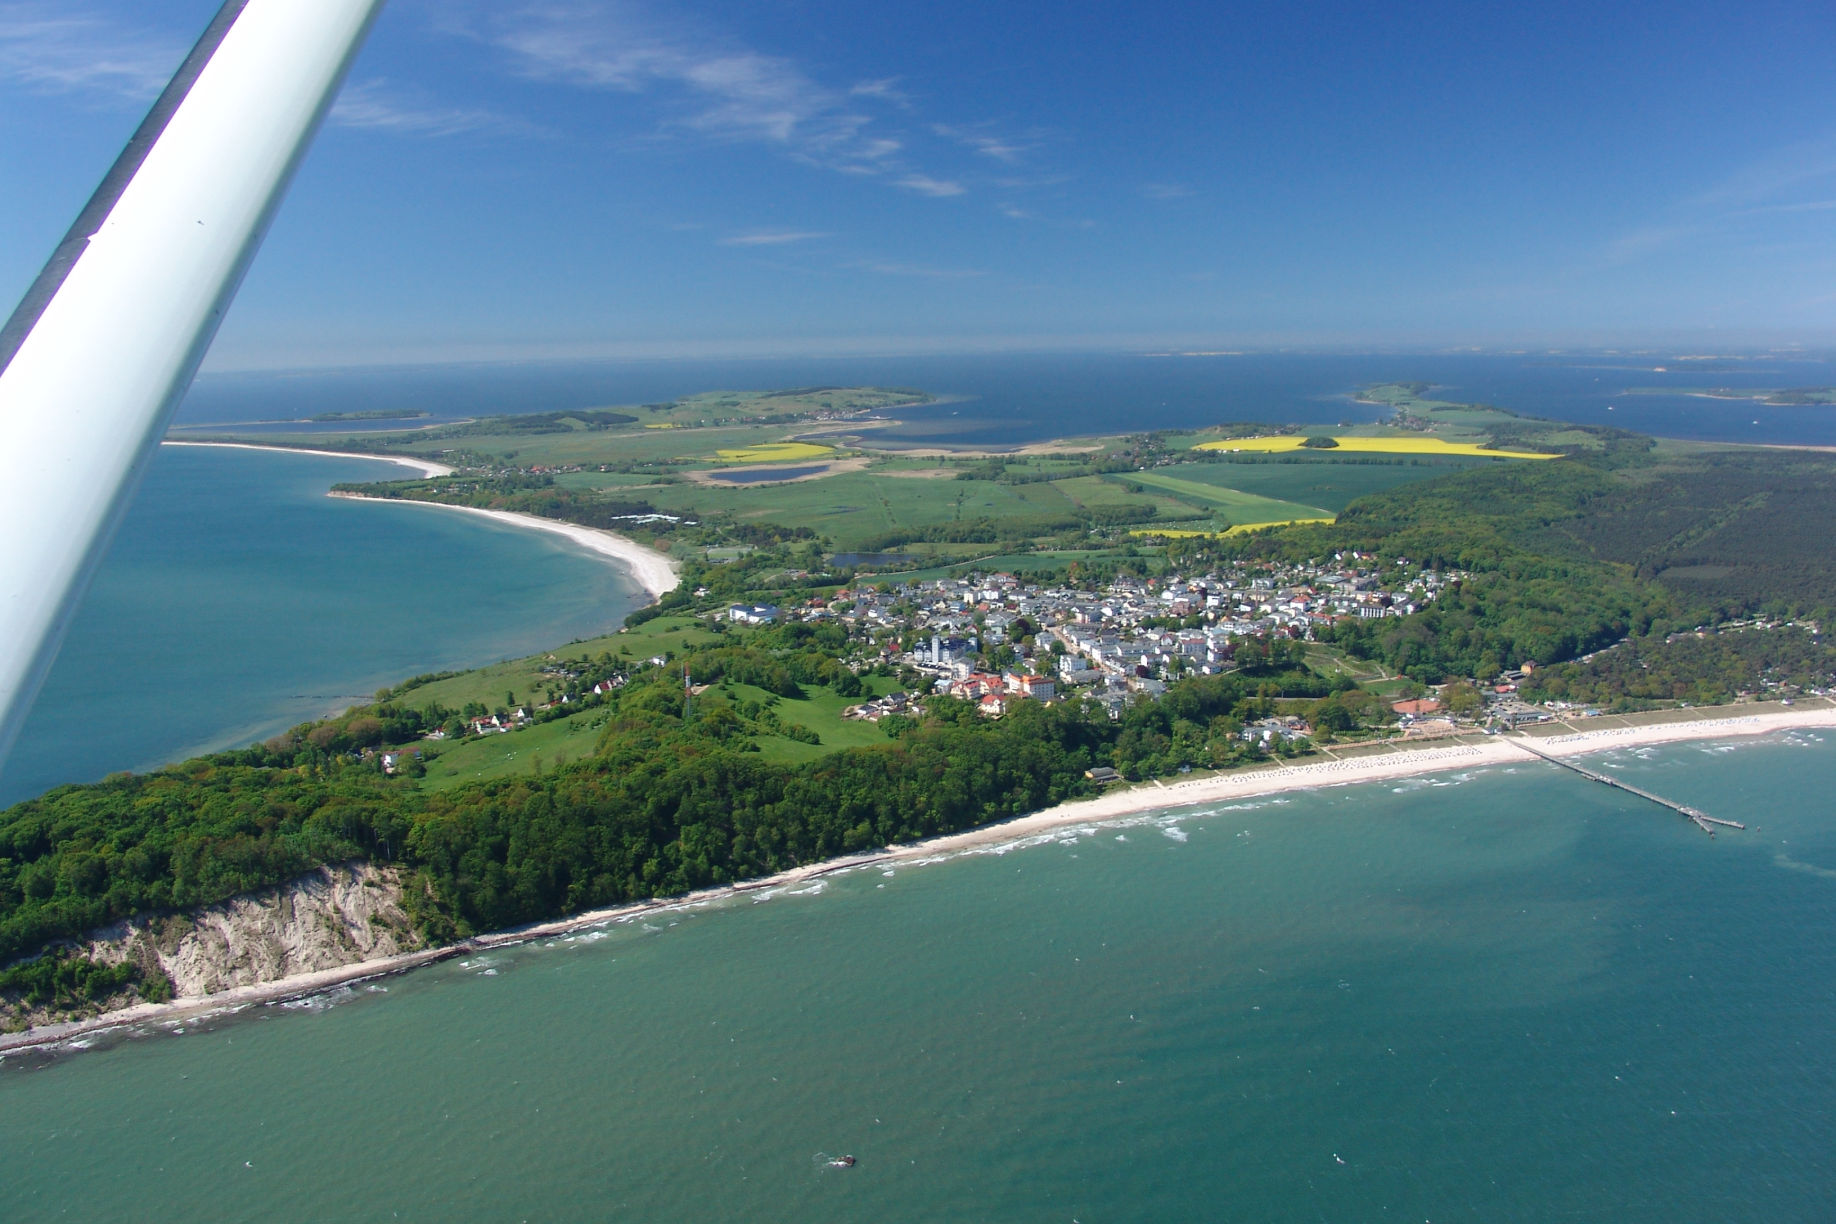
(1674,346)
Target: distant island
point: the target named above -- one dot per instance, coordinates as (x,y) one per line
(1802,395)
(871,645)
(1781,397)
(372,414)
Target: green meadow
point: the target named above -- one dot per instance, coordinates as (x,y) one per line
(489,686)
(1237,506)
(529,751)
(820,710)
(1330,484)
(542,747)
(856,509)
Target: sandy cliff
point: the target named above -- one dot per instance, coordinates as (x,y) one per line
(330,917)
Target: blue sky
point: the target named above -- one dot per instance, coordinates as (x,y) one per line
(591,177)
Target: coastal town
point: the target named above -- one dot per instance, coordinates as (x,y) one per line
(996,639)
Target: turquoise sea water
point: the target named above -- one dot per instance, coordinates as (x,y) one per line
(239,600)
(1505,996)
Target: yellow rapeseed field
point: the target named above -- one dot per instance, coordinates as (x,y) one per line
(775,452)
(1406,445)
(1175,533)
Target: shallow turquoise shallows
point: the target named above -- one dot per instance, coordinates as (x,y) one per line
(239,600)
(1506,996)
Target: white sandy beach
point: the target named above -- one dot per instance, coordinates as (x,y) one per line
(426,467)
(1399,763)
(656,572)
(1117,804)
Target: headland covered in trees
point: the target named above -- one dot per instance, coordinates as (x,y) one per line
(908,647)
(1118,806)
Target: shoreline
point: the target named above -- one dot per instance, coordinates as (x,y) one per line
(1391,764)
(426,467)
(658,573)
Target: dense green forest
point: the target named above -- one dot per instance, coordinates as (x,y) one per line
(1727,533)
(667,804)
(1701,668)
(1568,558)
(1516,602)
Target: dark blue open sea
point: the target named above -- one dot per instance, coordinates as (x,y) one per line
(1508,995)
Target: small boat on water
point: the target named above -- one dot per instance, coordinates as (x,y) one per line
(841,1162)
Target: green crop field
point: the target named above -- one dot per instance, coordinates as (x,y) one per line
(1330,484)
(856,508)
(698,446)
(1239,507)
(1099,491)
(1150,561)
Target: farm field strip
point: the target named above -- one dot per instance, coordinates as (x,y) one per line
(1240,507)
(1281,443)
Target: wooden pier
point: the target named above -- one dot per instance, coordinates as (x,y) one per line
(1702,820)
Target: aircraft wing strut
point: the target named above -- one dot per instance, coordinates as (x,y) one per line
(107,340)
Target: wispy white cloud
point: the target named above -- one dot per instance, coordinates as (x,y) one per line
(925,271)
(1775,174)
(706,83)
(1800,207)
(80,51)
(1031,182)
(886,90)
(376,106)
(66,48)
(1648,239)
(769,238)
(1165,191)
(1772,185)
(982,140)
(924,184)
(709,85)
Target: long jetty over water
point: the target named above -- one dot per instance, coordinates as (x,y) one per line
(1702,820)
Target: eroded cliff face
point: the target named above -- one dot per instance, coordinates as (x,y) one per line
(330,917)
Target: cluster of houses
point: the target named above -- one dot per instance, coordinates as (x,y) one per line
(993,692)
(881,707)
(497,724)
(1119,642)
(1116,643)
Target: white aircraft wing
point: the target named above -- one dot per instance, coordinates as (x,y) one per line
(108,338)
